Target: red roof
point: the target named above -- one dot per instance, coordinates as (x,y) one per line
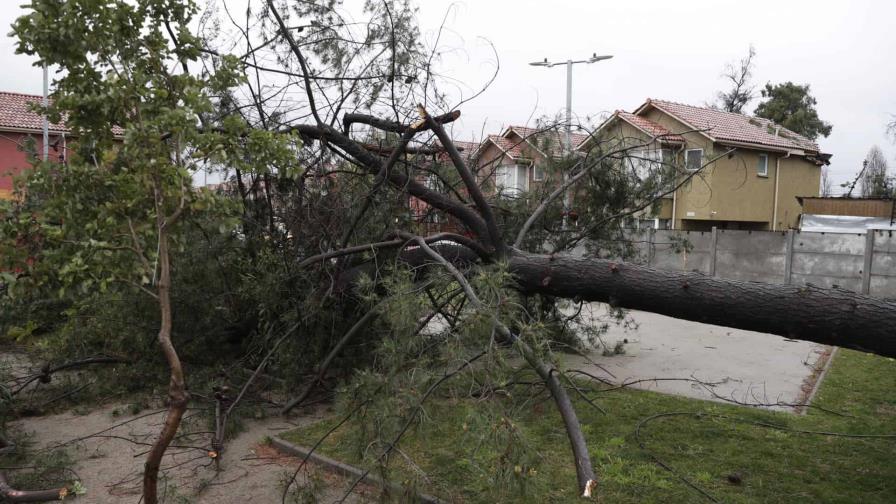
(721,126)
(508,146)
(16,113)
(466,148)
(554,135)
(651,128)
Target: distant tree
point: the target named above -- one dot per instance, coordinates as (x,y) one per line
(874,181)
(742,90)
(791,106)
(826,183)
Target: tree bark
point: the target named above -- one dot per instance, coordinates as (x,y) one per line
(177,391)
(10,494)
(828,316)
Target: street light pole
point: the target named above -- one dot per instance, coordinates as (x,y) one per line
(568,129)
(46,124)
(568,107)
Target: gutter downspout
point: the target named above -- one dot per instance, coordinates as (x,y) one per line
(675,192)
(777,177)
(674,198)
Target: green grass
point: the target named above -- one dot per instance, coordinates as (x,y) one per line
(471,457)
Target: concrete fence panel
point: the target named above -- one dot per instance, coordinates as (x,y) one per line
(751,256)
(829,260)
(682,251)
(883,265)
(859,262)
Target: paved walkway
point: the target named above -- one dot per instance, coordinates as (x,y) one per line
(734,365)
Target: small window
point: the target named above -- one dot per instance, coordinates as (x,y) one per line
(693,159)
(762,167)
(537,173)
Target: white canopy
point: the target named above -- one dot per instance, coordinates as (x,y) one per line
(843,223)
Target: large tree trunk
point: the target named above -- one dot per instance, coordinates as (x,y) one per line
(829,316)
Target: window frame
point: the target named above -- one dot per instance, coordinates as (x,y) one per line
(647,161)
(522,177)
(764,173)
(538,174)
(686,165)
(516,183)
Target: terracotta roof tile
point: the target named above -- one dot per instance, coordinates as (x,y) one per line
(16,113)
(511,148)
(722,126)
(466,148)
(555,136)
(650,127)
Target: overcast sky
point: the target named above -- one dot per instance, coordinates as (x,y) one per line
(677,51)
(668,50)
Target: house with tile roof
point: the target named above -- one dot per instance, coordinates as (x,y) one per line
(21,126)
(732,171)
(516,159)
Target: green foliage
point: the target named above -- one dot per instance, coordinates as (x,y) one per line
(791,106)
(460,447)
(80,248)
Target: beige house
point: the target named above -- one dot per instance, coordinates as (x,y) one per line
(738,172)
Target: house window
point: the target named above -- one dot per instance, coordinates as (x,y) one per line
(537,173)
(511,180)
(762,167)
(648,162)
(693,159)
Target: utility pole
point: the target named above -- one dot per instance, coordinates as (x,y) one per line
(46,102)
(568,127)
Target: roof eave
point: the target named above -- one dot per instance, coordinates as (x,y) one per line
(651,103)
(12,129)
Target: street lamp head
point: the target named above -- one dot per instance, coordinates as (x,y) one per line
(595,58)
(540,63)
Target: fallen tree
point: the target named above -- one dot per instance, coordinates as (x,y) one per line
(330,77)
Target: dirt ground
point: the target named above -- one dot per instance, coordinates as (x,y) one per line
(109,462)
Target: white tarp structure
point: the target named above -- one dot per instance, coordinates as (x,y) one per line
(843,223)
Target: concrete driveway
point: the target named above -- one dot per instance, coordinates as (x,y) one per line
(705,361)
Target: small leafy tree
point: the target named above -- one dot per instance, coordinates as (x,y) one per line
(144,124)
(792,106)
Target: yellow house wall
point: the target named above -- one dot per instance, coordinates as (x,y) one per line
(798,178)
(731,187)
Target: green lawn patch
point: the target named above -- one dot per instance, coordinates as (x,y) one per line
(724,450)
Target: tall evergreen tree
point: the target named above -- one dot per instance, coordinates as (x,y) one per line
(875,182)
(792,106)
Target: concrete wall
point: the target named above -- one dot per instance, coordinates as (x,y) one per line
(858,262)
(883,265)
